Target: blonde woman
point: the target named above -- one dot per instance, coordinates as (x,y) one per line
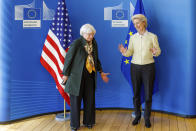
(143,46)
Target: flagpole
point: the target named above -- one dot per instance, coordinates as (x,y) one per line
(64,109)
(63,116)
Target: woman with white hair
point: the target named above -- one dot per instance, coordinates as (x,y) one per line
(143,46)
(80,71)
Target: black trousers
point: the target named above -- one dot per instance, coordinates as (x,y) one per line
(87,93)
(143,74)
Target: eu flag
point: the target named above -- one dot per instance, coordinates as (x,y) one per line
(126,61)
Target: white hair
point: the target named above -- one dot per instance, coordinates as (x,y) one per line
(87,28)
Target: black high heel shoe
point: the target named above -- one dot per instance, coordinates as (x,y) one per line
(136,120)
(147,123)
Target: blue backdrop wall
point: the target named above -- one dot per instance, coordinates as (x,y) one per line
(27,89)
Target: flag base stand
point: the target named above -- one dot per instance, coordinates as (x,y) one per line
(133,114)
(61,117)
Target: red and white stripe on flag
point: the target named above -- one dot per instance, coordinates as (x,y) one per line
(52,58)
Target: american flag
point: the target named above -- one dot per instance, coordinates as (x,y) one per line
(56,46)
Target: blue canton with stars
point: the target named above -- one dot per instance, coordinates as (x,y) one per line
(61,26)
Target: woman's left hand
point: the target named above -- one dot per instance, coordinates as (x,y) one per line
(153,50)
(104,77)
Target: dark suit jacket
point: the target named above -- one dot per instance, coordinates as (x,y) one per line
(75,60)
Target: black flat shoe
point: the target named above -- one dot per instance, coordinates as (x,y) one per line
(136,120)
(74,129)
(147,123)
(88,126)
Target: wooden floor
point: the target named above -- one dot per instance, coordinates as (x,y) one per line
(106,120)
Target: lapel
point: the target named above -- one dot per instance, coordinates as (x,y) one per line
(94,52)
(83,43)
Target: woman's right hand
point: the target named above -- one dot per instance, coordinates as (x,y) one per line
(122,49)
(64,79)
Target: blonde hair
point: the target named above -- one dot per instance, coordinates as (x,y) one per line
(87,28)
(140,17)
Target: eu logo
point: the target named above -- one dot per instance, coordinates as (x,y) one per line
(31,14)
(119,14)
